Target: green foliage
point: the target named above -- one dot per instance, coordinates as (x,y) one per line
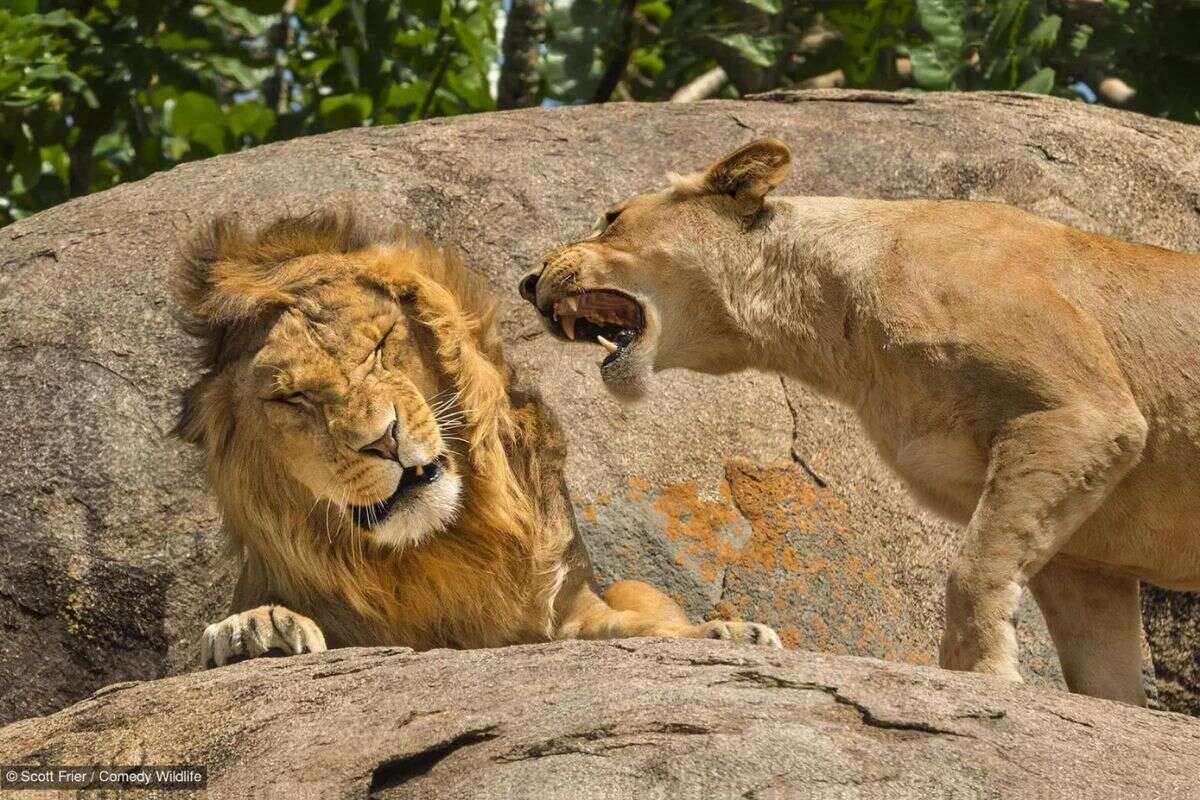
(1041,46)
(118,89)
(95,92)
(869,31)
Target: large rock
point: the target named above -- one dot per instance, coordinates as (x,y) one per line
(740,495)
(640,718)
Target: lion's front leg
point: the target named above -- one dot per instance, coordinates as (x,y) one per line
(632,608)
(258,632)
(1050,470)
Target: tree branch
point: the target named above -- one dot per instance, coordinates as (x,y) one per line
(704,85)
(620,57)
(286,36)
(439,72)
(524,33)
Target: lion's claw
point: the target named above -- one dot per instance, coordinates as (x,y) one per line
(257,632)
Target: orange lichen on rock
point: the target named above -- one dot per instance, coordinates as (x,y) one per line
(842,602)
(775,547)
(701,529)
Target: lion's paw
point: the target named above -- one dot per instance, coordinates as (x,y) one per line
(257,632)
(738,631)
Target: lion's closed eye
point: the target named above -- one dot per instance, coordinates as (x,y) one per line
(294,399)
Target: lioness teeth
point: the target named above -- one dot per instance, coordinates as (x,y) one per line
(568,326)
(609,346)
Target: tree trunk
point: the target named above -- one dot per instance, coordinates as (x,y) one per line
(83,166)
(524,33)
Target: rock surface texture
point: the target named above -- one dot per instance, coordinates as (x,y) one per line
(632,719)
(742,495)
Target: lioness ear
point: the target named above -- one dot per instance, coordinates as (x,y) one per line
(749,172)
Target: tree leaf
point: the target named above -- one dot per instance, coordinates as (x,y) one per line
(944,20)
(1045,33)
(1041,82)
(251,118)
(1080,39)
(929,70)
(760,51)
(659,10)
(209,135)
(343,111)
(191,110)
(400,96)
(766,6)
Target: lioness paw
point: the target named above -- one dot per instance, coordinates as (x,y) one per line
(738,631)
(257,632)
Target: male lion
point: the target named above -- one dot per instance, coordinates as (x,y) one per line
(1038,384)
(380,476)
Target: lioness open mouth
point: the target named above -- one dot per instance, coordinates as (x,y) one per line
(608,317)
(411,479)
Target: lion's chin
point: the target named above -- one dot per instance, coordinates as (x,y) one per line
(628,377)
(421,516)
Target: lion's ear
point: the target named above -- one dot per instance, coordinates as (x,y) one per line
(205,418)
(189,426)
(749,172)
(196,280)
(227,275)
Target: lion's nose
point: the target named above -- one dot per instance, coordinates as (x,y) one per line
(386,446)
(528,286)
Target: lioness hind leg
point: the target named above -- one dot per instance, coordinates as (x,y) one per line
(257,632)
(633,608)
(1096,623)
(642,597)
(1049,471)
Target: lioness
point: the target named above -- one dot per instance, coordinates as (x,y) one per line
(1038,384)
(380,476)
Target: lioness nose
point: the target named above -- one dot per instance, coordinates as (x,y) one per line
(385,446)
(528,286)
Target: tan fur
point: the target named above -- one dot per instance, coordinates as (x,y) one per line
(1038,384)
(394,345)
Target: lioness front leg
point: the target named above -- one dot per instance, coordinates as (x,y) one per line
(633,608)
(1048,471)
(257,632)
